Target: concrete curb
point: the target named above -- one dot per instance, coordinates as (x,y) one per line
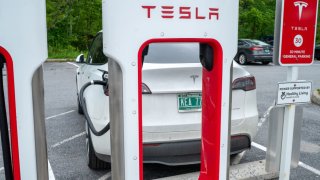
(315,98)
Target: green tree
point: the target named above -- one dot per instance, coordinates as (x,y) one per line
(72,23)
(256,18)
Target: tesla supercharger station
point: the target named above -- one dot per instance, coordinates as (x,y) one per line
(129,26)
(23,44)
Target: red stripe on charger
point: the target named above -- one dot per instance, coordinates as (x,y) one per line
(13,116)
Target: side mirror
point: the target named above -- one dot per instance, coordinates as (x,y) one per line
(80,59)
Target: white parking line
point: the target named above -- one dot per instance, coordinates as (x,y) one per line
(51,175)
(259,146)
(106,176)
(301,164)
(73,64)
(68,112)
(237,158)
(316,171)
(67,140)
(264,117)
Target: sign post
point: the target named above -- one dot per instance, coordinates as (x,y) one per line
(287,137)
(295,32)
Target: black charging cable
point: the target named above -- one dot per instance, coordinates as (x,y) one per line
(84,107)
(4,128)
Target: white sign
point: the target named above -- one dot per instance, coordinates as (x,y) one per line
(294,92)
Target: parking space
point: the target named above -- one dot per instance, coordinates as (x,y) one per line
(66,137)
(267,78)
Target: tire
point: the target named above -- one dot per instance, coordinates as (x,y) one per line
(242,59)
(265,63)
(93,161)
(80,110)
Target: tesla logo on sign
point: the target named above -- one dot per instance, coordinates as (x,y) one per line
(297,34)
(300,5)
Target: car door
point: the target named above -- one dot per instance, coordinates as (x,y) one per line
(96,101)
(241,45)
(83,74)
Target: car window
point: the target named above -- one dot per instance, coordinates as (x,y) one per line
(95,55)
(240,43)
(259,43)
(173,53)
(245,42)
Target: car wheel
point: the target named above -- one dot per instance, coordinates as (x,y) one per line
(93,161)
(80,110)
(242,59)
(265,63)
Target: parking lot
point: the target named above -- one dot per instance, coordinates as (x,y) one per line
(66,137)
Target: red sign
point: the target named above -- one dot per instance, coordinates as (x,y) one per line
(297,38)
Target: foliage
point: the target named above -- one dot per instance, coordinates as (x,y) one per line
(72,23)
(256,18)
(68,52)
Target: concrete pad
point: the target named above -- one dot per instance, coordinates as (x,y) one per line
(252,170)
(247,171)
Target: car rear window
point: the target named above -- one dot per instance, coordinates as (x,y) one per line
(257,42)
(173,53)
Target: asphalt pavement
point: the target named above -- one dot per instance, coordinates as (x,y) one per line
(66,138)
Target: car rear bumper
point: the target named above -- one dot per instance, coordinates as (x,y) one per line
(183,153)
(188,152)
(260,58)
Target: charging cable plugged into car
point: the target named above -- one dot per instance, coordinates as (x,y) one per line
(105,85)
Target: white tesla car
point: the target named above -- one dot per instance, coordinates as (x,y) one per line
(172,77)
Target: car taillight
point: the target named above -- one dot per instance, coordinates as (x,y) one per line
(145,89)
(245,83)
(255,48)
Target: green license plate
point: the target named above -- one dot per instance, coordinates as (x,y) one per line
(189,102)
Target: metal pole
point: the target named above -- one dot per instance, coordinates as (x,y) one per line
(116,121)
(288,128)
